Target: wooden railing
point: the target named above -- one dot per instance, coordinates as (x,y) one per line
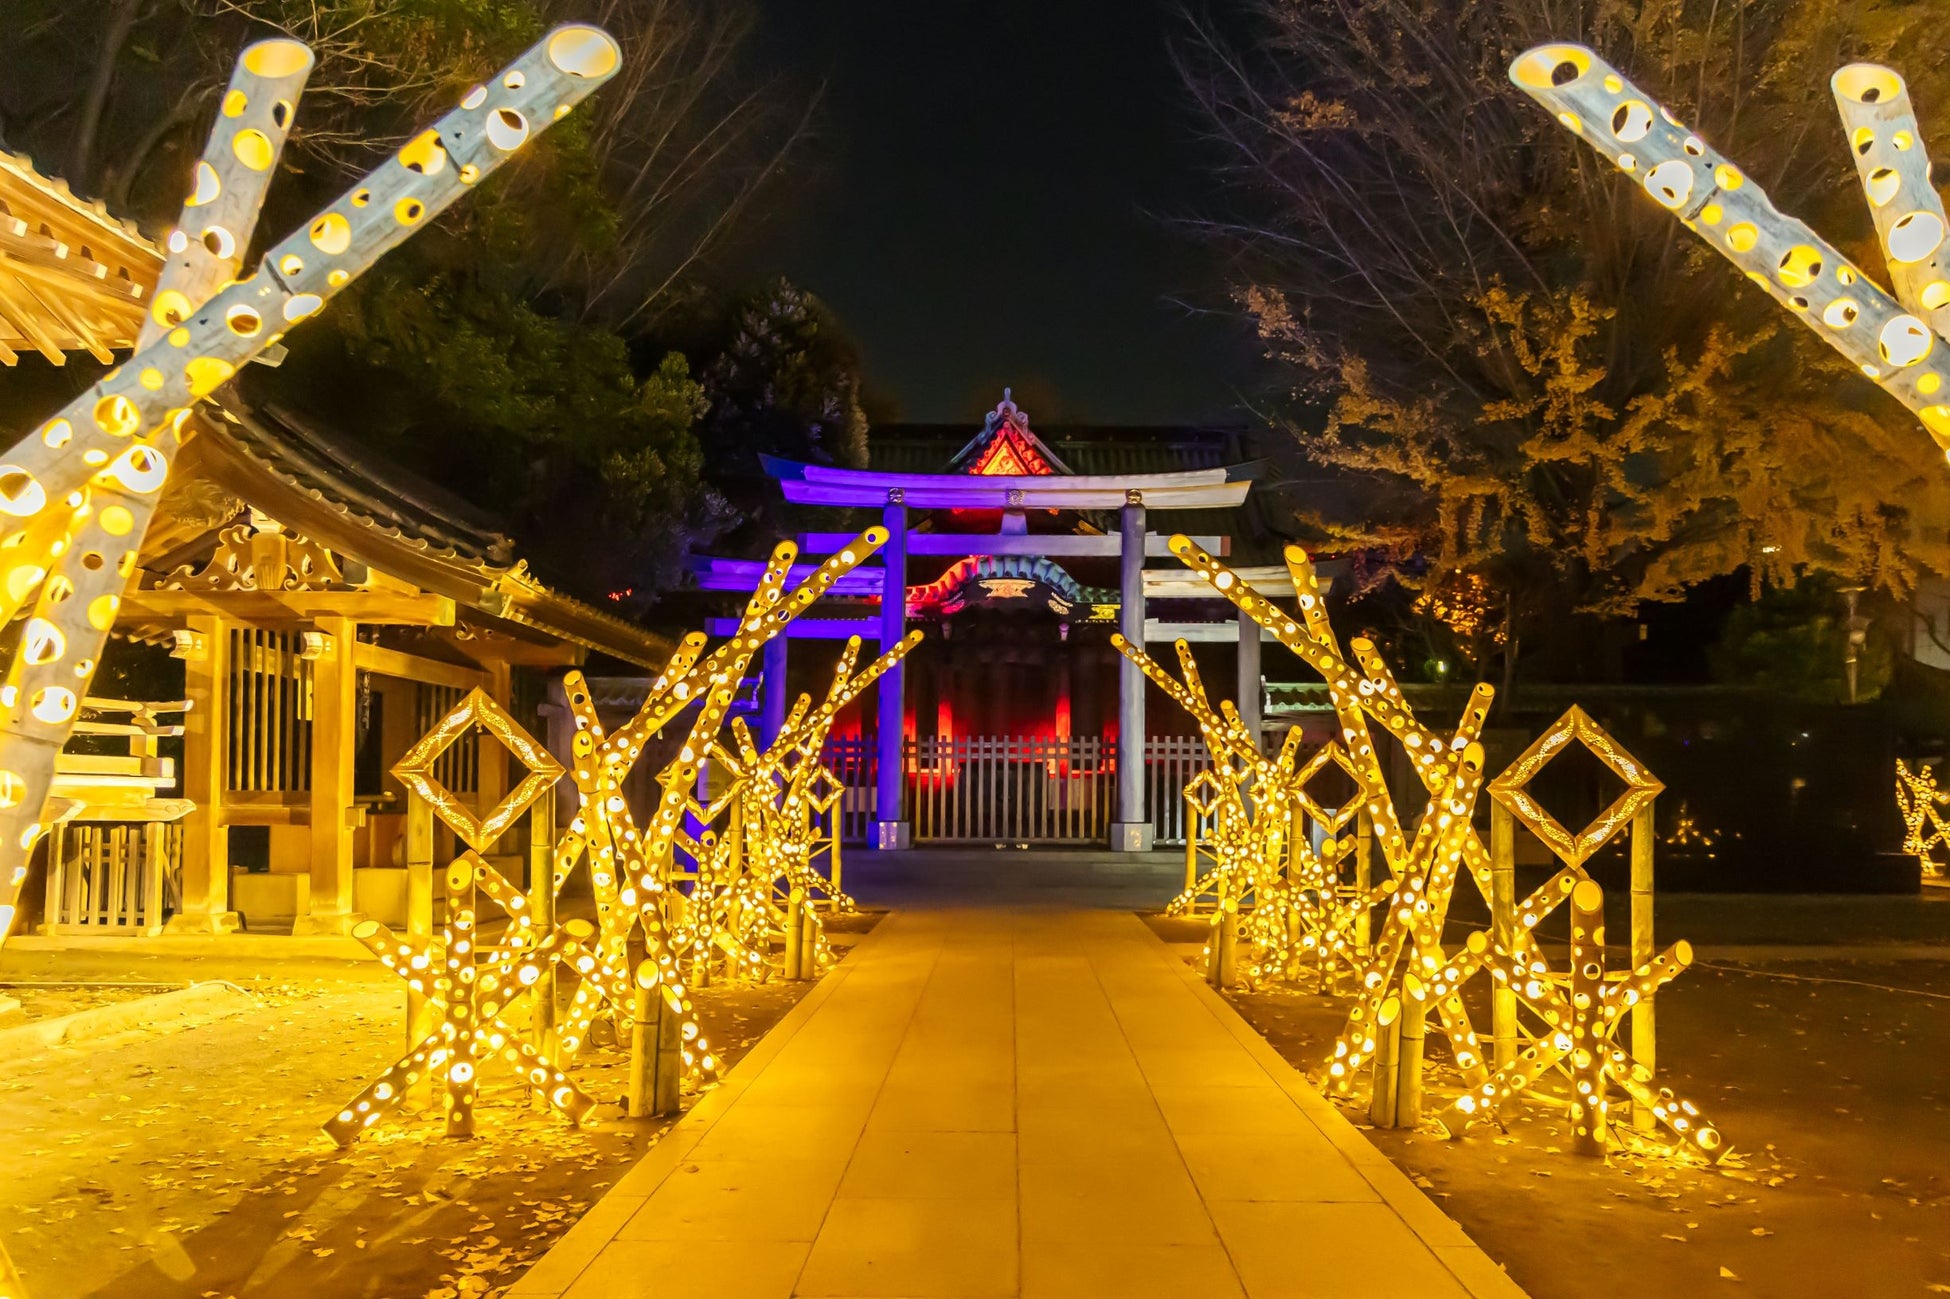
(851,758)
(111,877)
(1015,788)
(267,713)
(1170,762)
(1012,789)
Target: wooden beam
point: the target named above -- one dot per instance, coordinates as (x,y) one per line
(1271,580)
(1209,633)
(964,492)
(1054,546)
(282,608)
(867,629)
(486,648)
(412,667)
(741,575)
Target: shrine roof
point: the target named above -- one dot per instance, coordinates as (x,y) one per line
(72,277)
(805,484)
(365,509)
(1094,450)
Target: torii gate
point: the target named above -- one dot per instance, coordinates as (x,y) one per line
(1015,476)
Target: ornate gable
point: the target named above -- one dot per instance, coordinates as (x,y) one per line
(1007,448)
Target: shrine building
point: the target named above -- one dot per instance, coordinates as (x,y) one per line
(326,608)
(1018,556)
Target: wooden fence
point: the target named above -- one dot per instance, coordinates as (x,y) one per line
(108,877)
(1016,788)
(1012,789)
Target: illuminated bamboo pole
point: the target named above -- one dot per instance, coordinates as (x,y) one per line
(1414,1026)
(50,476)
(1894,169)
(1711,197)
(1191,846)
(541,910)
(656,1056)
(1222,963)
(1388,1036)
(1363,879)
(1503,929)
(1587,1055)
(1643,1016)
(809,938)
(206,249)
(834,826)
(114,440)
(419,903)
(795,936)
(461,1064)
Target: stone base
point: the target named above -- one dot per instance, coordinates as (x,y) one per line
(1131,836)
(893,835)
(325,924)
(203,922)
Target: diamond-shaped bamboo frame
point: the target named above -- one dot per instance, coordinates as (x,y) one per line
(1334,822)
(1512,788)
(415,770)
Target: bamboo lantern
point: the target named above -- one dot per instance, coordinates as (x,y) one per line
(1808,276)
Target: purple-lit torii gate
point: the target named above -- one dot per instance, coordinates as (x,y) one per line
(1010,472)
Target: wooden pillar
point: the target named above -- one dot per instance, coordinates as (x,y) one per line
(1247,698)
(334,814)
(772,691)
(1131,832)
(205,905)
(493,783)
(891,826)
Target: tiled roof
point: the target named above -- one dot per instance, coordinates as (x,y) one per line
(1112,450)
(364,508)
(72,277)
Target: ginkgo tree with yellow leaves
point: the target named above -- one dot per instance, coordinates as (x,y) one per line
(1563,405)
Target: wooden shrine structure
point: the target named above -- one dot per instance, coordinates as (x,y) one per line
(1002,527)
(327,607)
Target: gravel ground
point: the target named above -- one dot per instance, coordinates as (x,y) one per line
(1828,1078)
(53,1000)
(191,1164)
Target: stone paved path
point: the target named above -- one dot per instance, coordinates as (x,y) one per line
(1014,1102)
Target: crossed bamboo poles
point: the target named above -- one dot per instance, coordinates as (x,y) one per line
(1893,337)
(469,987)
(77,494)
(1407,967)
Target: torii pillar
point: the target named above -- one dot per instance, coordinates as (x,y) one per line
(891,827)
(771,690)
(1131,832)
(1248,699)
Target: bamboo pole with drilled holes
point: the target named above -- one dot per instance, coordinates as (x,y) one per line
(104,459)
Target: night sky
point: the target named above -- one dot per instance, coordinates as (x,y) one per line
(988,202)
